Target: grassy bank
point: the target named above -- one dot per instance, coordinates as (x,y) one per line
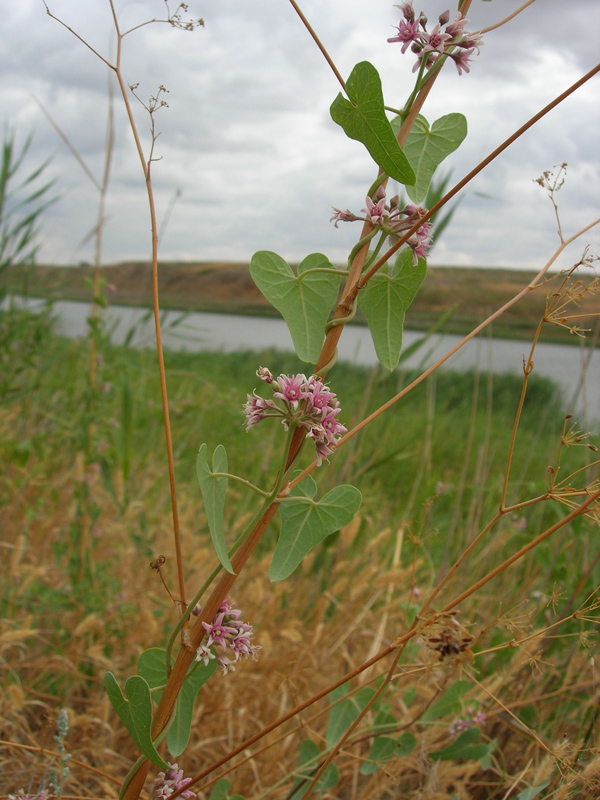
(467,296)
(84,508)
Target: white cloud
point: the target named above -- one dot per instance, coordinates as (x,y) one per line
(248,141)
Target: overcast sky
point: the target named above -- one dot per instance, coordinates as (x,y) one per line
(249,150)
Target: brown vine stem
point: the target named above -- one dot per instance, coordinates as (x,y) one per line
(354,282)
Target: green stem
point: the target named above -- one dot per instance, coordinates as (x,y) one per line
(372,258)
(331,270)
(243,481)
(361,243)
(419,83)
(376,184)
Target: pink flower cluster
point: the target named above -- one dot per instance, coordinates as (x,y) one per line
(462,724)
(393,220)
(230,635)
(305,402)
(446,39)
(170,781)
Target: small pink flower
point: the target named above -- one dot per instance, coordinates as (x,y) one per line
(343,216)
(461,59)
(408,32)
(264,374)
(218,631)
(435,40)
(170,781)
(455,28)
(291,388)
(203,653)
(376,212)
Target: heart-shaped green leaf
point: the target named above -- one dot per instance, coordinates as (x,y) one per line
(213,493)
(151,666)
(363,118)
(135,712)
(426,148)
(384,301)
(305,523)
(304,300)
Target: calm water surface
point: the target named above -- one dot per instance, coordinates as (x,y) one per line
(197,331)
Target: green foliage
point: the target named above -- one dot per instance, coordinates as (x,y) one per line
(213,493)
(363,118)
(21,206)
(134,709)
(533,791)
(386,747)
(220,791)
(384,302)
(466,746)
(308,759)
(305,523)
(304,300)
(449,702)
(427,147)
(342,714)
(151,666)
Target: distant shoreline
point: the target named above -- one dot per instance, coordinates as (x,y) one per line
(467,295)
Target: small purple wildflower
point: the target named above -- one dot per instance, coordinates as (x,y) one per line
(21,795)
(291,388)
(264,374)
(307,403)
(408,32)
(230,636)
(461,724)
(395,221)
(376,213)
(342,216)
(257,408)
(218,631)
(170,781)
(446,38)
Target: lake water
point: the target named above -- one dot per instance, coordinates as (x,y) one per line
(196,331)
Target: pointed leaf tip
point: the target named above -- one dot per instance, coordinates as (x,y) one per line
(363,118)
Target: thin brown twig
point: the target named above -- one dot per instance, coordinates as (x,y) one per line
(156,309)
(319,44)
(44,751)
(506,19)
